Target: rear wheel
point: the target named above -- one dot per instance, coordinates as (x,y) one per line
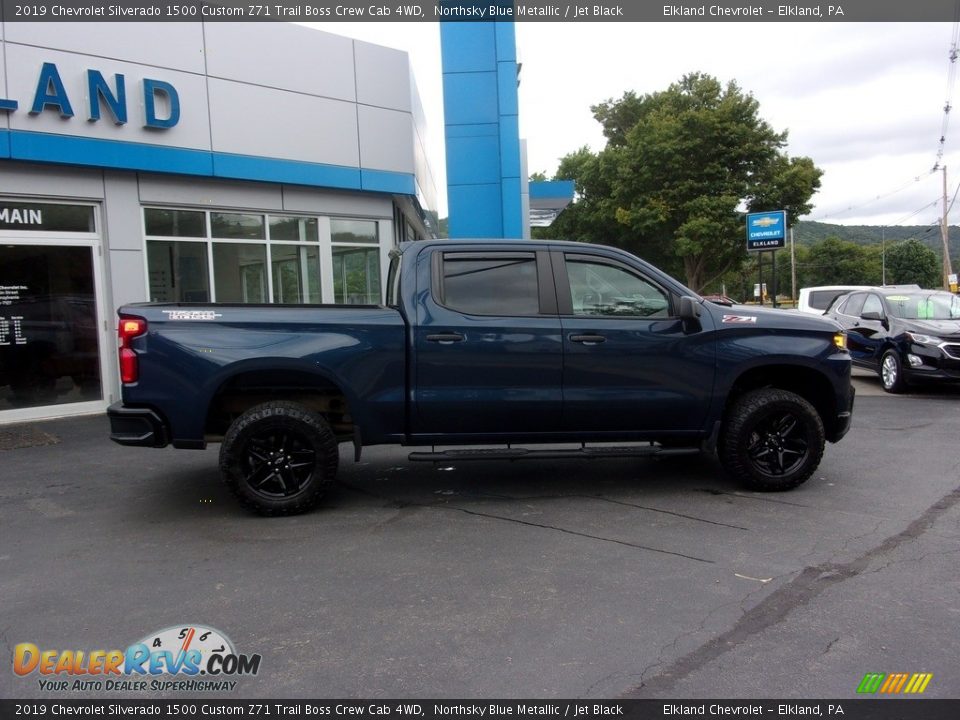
(773,440)
(891,372)
(278,458)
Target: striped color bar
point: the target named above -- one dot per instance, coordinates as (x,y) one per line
(871,683)
(895,683)
(918,683)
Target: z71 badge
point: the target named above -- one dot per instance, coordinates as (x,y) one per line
(738,319)
(192,314)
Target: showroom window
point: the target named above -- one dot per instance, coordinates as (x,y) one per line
(196,256)
(356,262)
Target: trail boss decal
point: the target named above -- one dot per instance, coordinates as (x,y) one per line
(192,314)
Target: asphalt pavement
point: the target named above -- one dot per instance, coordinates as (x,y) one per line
(587,579)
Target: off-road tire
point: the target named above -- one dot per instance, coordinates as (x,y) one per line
(279,458)
(772,440)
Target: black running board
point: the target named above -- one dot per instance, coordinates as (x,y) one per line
(584,453)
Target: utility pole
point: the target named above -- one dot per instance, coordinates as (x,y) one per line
(883,255)
(945,236)
(793,271)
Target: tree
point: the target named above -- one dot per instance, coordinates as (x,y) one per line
(911,261)
(679,167)
(833,261)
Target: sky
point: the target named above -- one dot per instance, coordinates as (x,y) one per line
(865,101)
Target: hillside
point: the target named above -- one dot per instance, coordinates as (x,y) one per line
(806,233)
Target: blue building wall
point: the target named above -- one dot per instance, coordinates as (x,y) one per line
(482,129)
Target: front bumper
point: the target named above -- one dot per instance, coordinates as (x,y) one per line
(141,427)
(844,420)
(940,363)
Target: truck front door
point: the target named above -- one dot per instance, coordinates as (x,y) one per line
(630,365)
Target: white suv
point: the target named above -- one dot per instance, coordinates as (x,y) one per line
(816,300)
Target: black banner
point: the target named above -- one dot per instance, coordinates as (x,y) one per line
(849,709)
(476,10)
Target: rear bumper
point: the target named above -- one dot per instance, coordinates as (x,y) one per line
(141,427)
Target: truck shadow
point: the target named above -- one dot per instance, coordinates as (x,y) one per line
(388,480)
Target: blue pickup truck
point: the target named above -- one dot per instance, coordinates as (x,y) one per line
(488,343)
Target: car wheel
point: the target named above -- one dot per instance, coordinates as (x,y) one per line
(891,372)
(278,458)
(772,440)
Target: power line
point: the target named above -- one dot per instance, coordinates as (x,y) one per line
(917,212)
(883,196)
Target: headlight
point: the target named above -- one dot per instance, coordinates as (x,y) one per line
(840,341)
(922,339)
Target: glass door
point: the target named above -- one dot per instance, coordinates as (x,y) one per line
(50,354)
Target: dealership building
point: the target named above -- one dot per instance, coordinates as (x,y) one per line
(189,162)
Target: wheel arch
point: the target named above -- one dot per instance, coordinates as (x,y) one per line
(265,380)
(807,382)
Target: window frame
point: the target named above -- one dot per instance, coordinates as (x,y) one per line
(546,297)
(565,296)
(846,310)
(209,242)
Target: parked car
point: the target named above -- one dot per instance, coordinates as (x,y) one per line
(906,336)
(816,300)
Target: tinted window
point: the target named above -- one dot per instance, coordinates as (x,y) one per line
(821,299)
(854,304)
(505,285)
(601,289)
(872,304)
(175,223)
(237,225)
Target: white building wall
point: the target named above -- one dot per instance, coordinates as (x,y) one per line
(272,93)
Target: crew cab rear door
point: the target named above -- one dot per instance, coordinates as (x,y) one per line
(630,363)
(487,347)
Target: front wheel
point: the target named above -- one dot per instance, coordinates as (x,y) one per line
(278,458)
(773,440)
(891,372)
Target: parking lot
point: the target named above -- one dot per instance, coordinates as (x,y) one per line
(613,578)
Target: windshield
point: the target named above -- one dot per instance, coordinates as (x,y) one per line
(934,306)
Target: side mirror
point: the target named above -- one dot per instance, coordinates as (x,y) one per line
(690,314)
(875,317)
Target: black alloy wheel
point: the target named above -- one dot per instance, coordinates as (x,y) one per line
(278,458)
(279,462)
(777,444)
(772,440)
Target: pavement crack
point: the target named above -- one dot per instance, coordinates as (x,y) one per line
(773,609)
(758,498)
(577,496)
(830,645)
(576,533)
(543,526)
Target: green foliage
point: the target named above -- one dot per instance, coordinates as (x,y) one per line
(830,261)
(678,166)
(808,232)
(911,261)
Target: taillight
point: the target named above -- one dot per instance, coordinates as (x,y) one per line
(129,328)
